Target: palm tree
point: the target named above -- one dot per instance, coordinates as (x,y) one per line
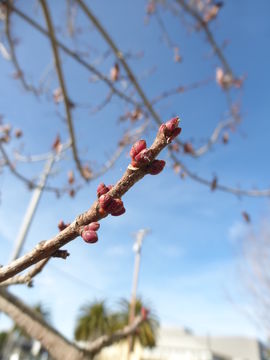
(3,339)
(146,333)
(94,320)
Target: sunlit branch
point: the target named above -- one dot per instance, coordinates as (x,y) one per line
(46,248)
(26,278)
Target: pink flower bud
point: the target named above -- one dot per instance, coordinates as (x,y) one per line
(102,189)
(175,133)
(137,148)
(172,124)
(162,128)
(105,200)
(144,157)
(156,167)
(90,236)
(94,226)
(119,212)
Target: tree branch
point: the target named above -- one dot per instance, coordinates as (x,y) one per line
(67,101)
(74,56)
(27,278)
(33,324)
(106,340)
(189,9)
(46,248)
(209,183)
(13,57)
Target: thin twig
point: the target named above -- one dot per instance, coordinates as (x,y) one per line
(190,10)
(13,56)
(67,101)
(107,340)
(74,56)
(28,277)
(30,184)
(209,183)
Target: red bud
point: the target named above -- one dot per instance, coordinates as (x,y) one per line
(94,226)
(90,236)
(143,157)
(137,148)
(102,189)
(105,200)
(156,167)
(172,124)
(119,212)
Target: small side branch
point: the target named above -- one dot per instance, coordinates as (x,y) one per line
(192,12)
(216,186)
(107,340)
(27,278)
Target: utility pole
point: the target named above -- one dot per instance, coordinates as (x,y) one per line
(32,208)
(137,247)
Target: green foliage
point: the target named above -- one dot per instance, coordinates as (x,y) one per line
(146,333)
(3,339)
(95,320)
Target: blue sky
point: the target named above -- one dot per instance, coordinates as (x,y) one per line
(190,262)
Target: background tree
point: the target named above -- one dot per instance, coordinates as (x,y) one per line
(95,320)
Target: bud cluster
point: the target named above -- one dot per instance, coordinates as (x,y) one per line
(89,234)
(108,204)
(170,129)
(141,157)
